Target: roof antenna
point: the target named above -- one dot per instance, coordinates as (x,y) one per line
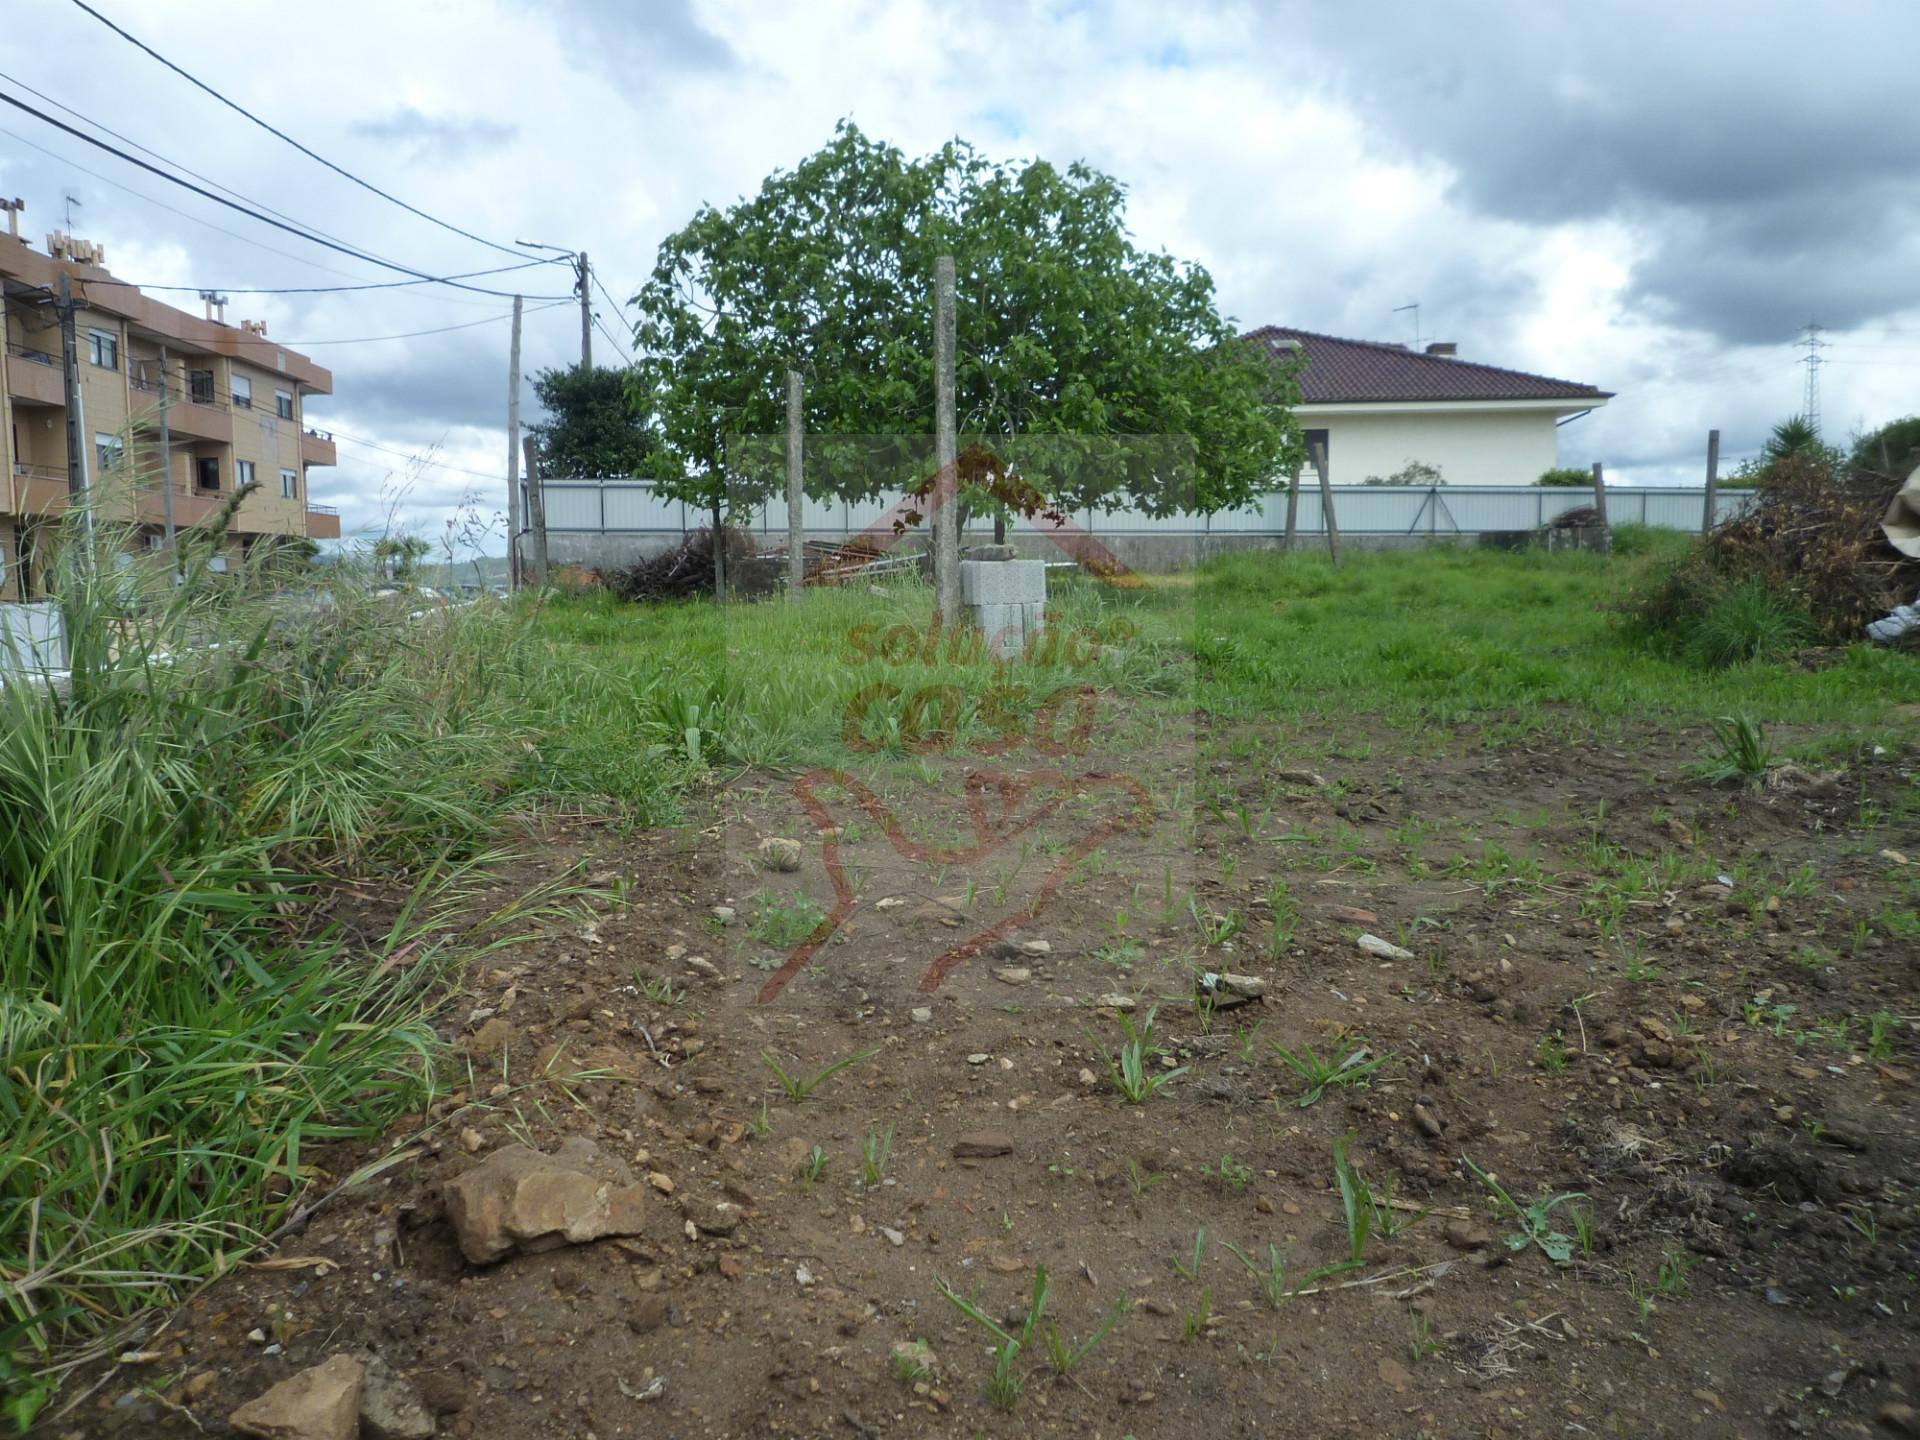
(1415,308)
(72,200)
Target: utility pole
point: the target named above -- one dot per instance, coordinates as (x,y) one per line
(513,452)
(536,516)
(1326,503)
(946,498)
(586,314)
(166,453)
(76,407)
(1293,510)
(1600,504)
(796,492)
(1713,482)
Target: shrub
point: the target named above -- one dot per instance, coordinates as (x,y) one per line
(1567,477)
(1744,622)
(1414,472)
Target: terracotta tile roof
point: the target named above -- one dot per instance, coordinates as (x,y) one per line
(1361,371)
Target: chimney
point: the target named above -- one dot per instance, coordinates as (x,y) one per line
(1446,349)
(13,208)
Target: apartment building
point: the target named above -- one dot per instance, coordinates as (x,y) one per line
(233,403)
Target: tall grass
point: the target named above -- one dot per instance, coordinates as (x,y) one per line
(180,1023)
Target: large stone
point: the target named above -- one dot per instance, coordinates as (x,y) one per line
(318,1404)
(982,1145)
(521,1199)
(1003,582)
(390,1408)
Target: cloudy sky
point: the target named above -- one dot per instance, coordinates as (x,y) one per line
(1651,197)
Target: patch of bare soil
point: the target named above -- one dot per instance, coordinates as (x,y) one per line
(1695,1058)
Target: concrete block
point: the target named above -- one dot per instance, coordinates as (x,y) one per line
(1004,627)
(1002,582)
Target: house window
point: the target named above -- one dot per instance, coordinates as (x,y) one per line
(283,404)
(206,472)
(200,386)
(243,392)
(103,349)
(242,473)
(289,484)
(109,449)
(1314,438)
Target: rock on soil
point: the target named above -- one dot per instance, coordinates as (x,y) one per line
(318,1404)
(779,853)
(982,1145)
(519,1198)
(390,1408)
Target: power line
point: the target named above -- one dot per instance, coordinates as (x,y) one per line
(248,211)
(607,335)
(410,334)
(618,307)
(281,134)
(258,245)
(173,209)
(163,159)
(337,289)
(417,458)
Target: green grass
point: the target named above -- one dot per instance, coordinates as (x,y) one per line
(1521,642)
(181,1024)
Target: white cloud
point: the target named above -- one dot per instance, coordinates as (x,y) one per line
(1514,172)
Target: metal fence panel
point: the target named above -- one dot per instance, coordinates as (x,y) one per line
(596,506)
(32,636)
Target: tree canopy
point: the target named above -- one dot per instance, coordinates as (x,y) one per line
(1067,332)
(592,425)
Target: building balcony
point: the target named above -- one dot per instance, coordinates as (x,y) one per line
(323,522)
(34,378)
(190,506)
(39,489)
(317,448)
(199,420)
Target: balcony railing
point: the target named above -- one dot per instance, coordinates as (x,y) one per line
(148,385)
(27,352)
(323,509)
(40,472)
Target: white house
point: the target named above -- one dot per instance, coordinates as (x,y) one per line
(1377,407)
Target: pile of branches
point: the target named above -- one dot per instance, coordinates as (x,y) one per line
(1811,536)
(686,571)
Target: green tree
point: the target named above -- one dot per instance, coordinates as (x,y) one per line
(1794,436)
(1891,452)
(1565,476)
(1067,330)
(594,424)
(399,556)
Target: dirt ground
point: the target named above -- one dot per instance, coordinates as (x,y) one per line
(1590,1007)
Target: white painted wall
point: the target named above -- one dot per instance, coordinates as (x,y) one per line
(1489,447)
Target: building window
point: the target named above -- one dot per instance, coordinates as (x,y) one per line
(289,484)
(1313,438)
(206,472)
(243,392)
(108,449)
(103,349)
(283,404)
(200,386)
(242,473)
